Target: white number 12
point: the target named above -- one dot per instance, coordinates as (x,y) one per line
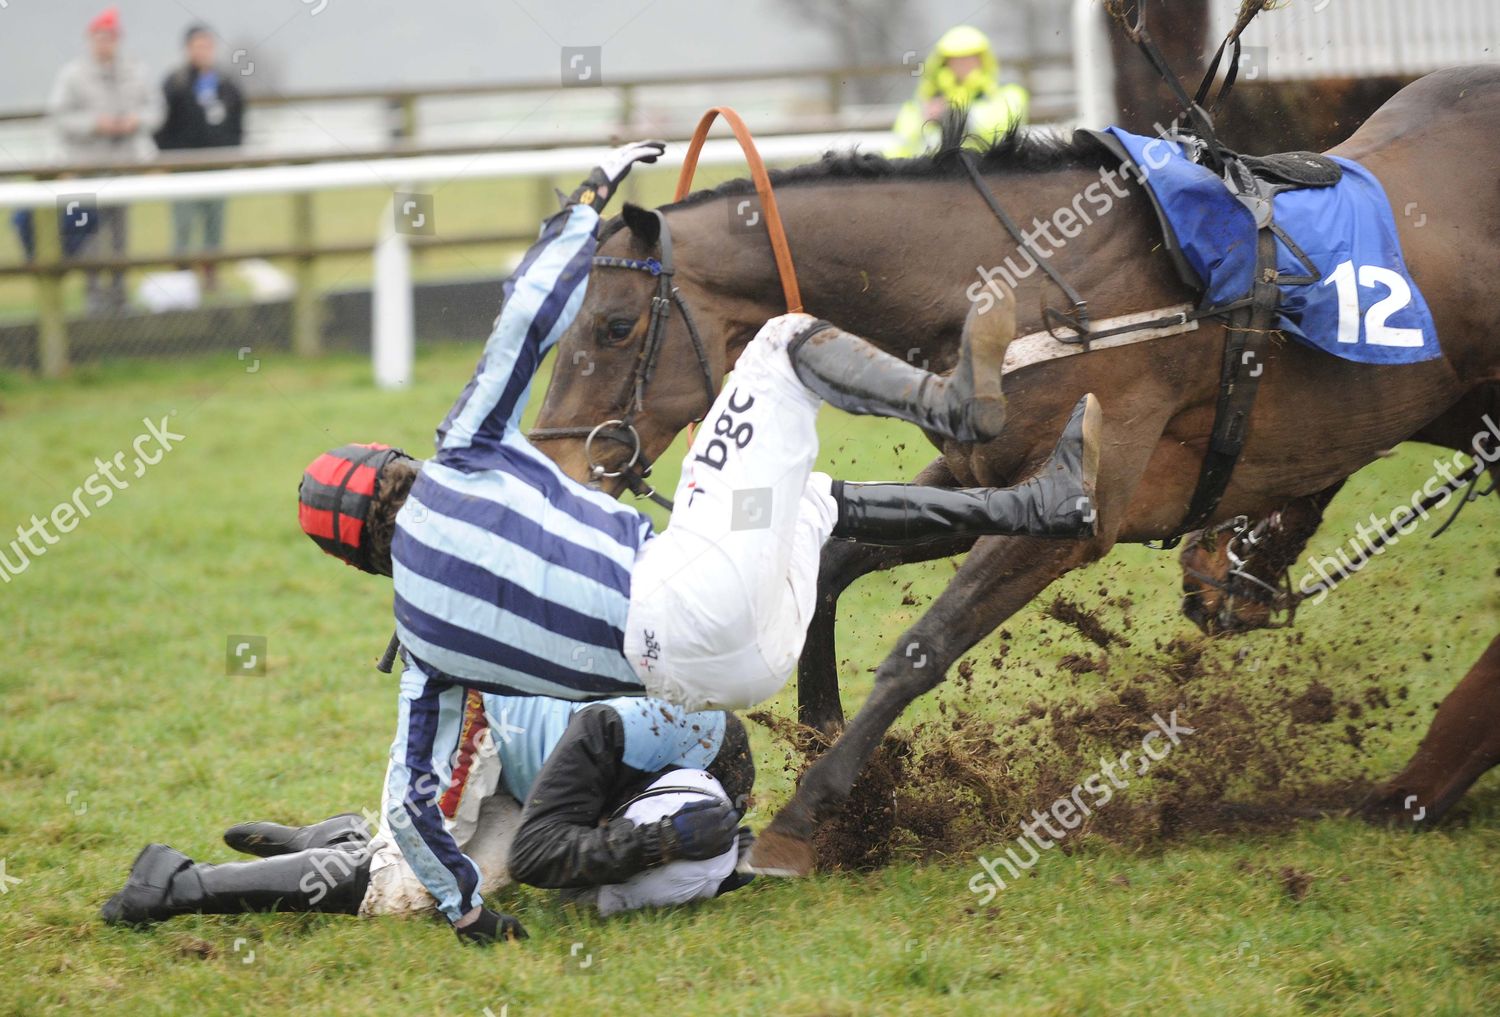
(1377,332)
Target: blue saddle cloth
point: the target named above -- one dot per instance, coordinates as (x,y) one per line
(1344,285)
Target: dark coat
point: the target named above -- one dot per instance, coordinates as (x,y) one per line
(194,124)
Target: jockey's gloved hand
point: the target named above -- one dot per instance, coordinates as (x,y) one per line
(698,830)
(489,927)
(602,182)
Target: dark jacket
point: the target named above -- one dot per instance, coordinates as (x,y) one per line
(567,837)
(215,123)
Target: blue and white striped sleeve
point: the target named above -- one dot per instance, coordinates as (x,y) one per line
(540,301)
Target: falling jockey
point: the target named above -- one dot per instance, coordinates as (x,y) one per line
(512,578)
(627,803)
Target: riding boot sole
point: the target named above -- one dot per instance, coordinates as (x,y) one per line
(1093,438)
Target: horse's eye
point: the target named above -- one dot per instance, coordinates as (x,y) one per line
(616,331)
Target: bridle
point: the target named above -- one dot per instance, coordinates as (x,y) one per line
(1239,583)
(637,468)
(1280,595)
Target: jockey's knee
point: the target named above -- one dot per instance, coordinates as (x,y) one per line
(778,332)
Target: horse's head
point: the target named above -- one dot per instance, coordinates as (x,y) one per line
(646,352)
(1235,576)
(1208,599)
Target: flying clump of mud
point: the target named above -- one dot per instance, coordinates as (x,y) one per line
(1256,758)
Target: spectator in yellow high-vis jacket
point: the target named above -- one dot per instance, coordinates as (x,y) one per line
(961,71)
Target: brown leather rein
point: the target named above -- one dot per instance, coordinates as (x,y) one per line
(762,181)
(622,428)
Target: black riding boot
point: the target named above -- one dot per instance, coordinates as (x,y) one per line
(165,882)
(266,840)
(848,372)
(1057,501)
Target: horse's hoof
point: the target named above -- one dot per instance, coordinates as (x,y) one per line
(782,855)
(1393,807)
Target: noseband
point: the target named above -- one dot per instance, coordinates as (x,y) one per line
(622,428)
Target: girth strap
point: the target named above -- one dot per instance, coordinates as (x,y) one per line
(1245,341)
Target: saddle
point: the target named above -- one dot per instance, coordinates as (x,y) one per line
(1251,181)
(1294,169)
(1296,244)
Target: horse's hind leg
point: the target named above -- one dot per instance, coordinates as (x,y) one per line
(1463,740)
(1460,745)
(843,561)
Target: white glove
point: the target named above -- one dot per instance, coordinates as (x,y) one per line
(605,178)
(617,164)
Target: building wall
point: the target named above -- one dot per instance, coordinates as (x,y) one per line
(1364,38)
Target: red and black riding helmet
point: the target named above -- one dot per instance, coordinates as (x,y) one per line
(334,498)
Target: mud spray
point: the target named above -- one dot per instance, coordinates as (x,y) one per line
(965,781)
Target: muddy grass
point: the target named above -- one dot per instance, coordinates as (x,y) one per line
(964,782)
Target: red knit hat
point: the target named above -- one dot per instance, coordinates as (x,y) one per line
(107,20)
(334,498)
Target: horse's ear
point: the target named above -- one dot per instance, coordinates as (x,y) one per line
(642,223)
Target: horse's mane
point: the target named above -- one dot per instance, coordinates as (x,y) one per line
(1018,150)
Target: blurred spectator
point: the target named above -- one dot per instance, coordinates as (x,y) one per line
(204,110)
(961,71)
(104,110)
(71,233)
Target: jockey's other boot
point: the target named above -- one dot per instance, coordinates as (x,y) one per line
(849,372)
(164,882)
(266,840)
(1056,501)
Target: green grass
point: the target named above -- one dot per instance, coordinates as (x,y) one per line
(121,727)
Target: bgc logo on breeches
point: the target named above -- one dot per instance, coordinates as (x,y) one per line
(729,427)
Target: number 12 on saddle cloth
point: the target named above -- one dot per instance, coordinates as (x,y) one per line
(1344,285)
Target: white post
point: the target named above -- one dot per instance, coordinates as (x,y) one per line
(393,339)
(1093,65)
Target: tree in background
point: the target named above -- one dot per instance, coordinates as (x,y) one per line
(865,32)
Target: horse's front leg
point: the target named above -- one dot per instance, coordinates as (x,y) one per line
(1218,602)
(844,561)
(1000,576)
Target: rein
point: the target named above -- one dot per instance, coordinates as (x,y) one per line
(622,428)
(762,180)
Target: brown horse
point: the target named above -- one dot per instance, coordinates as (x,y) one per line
(889,250)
